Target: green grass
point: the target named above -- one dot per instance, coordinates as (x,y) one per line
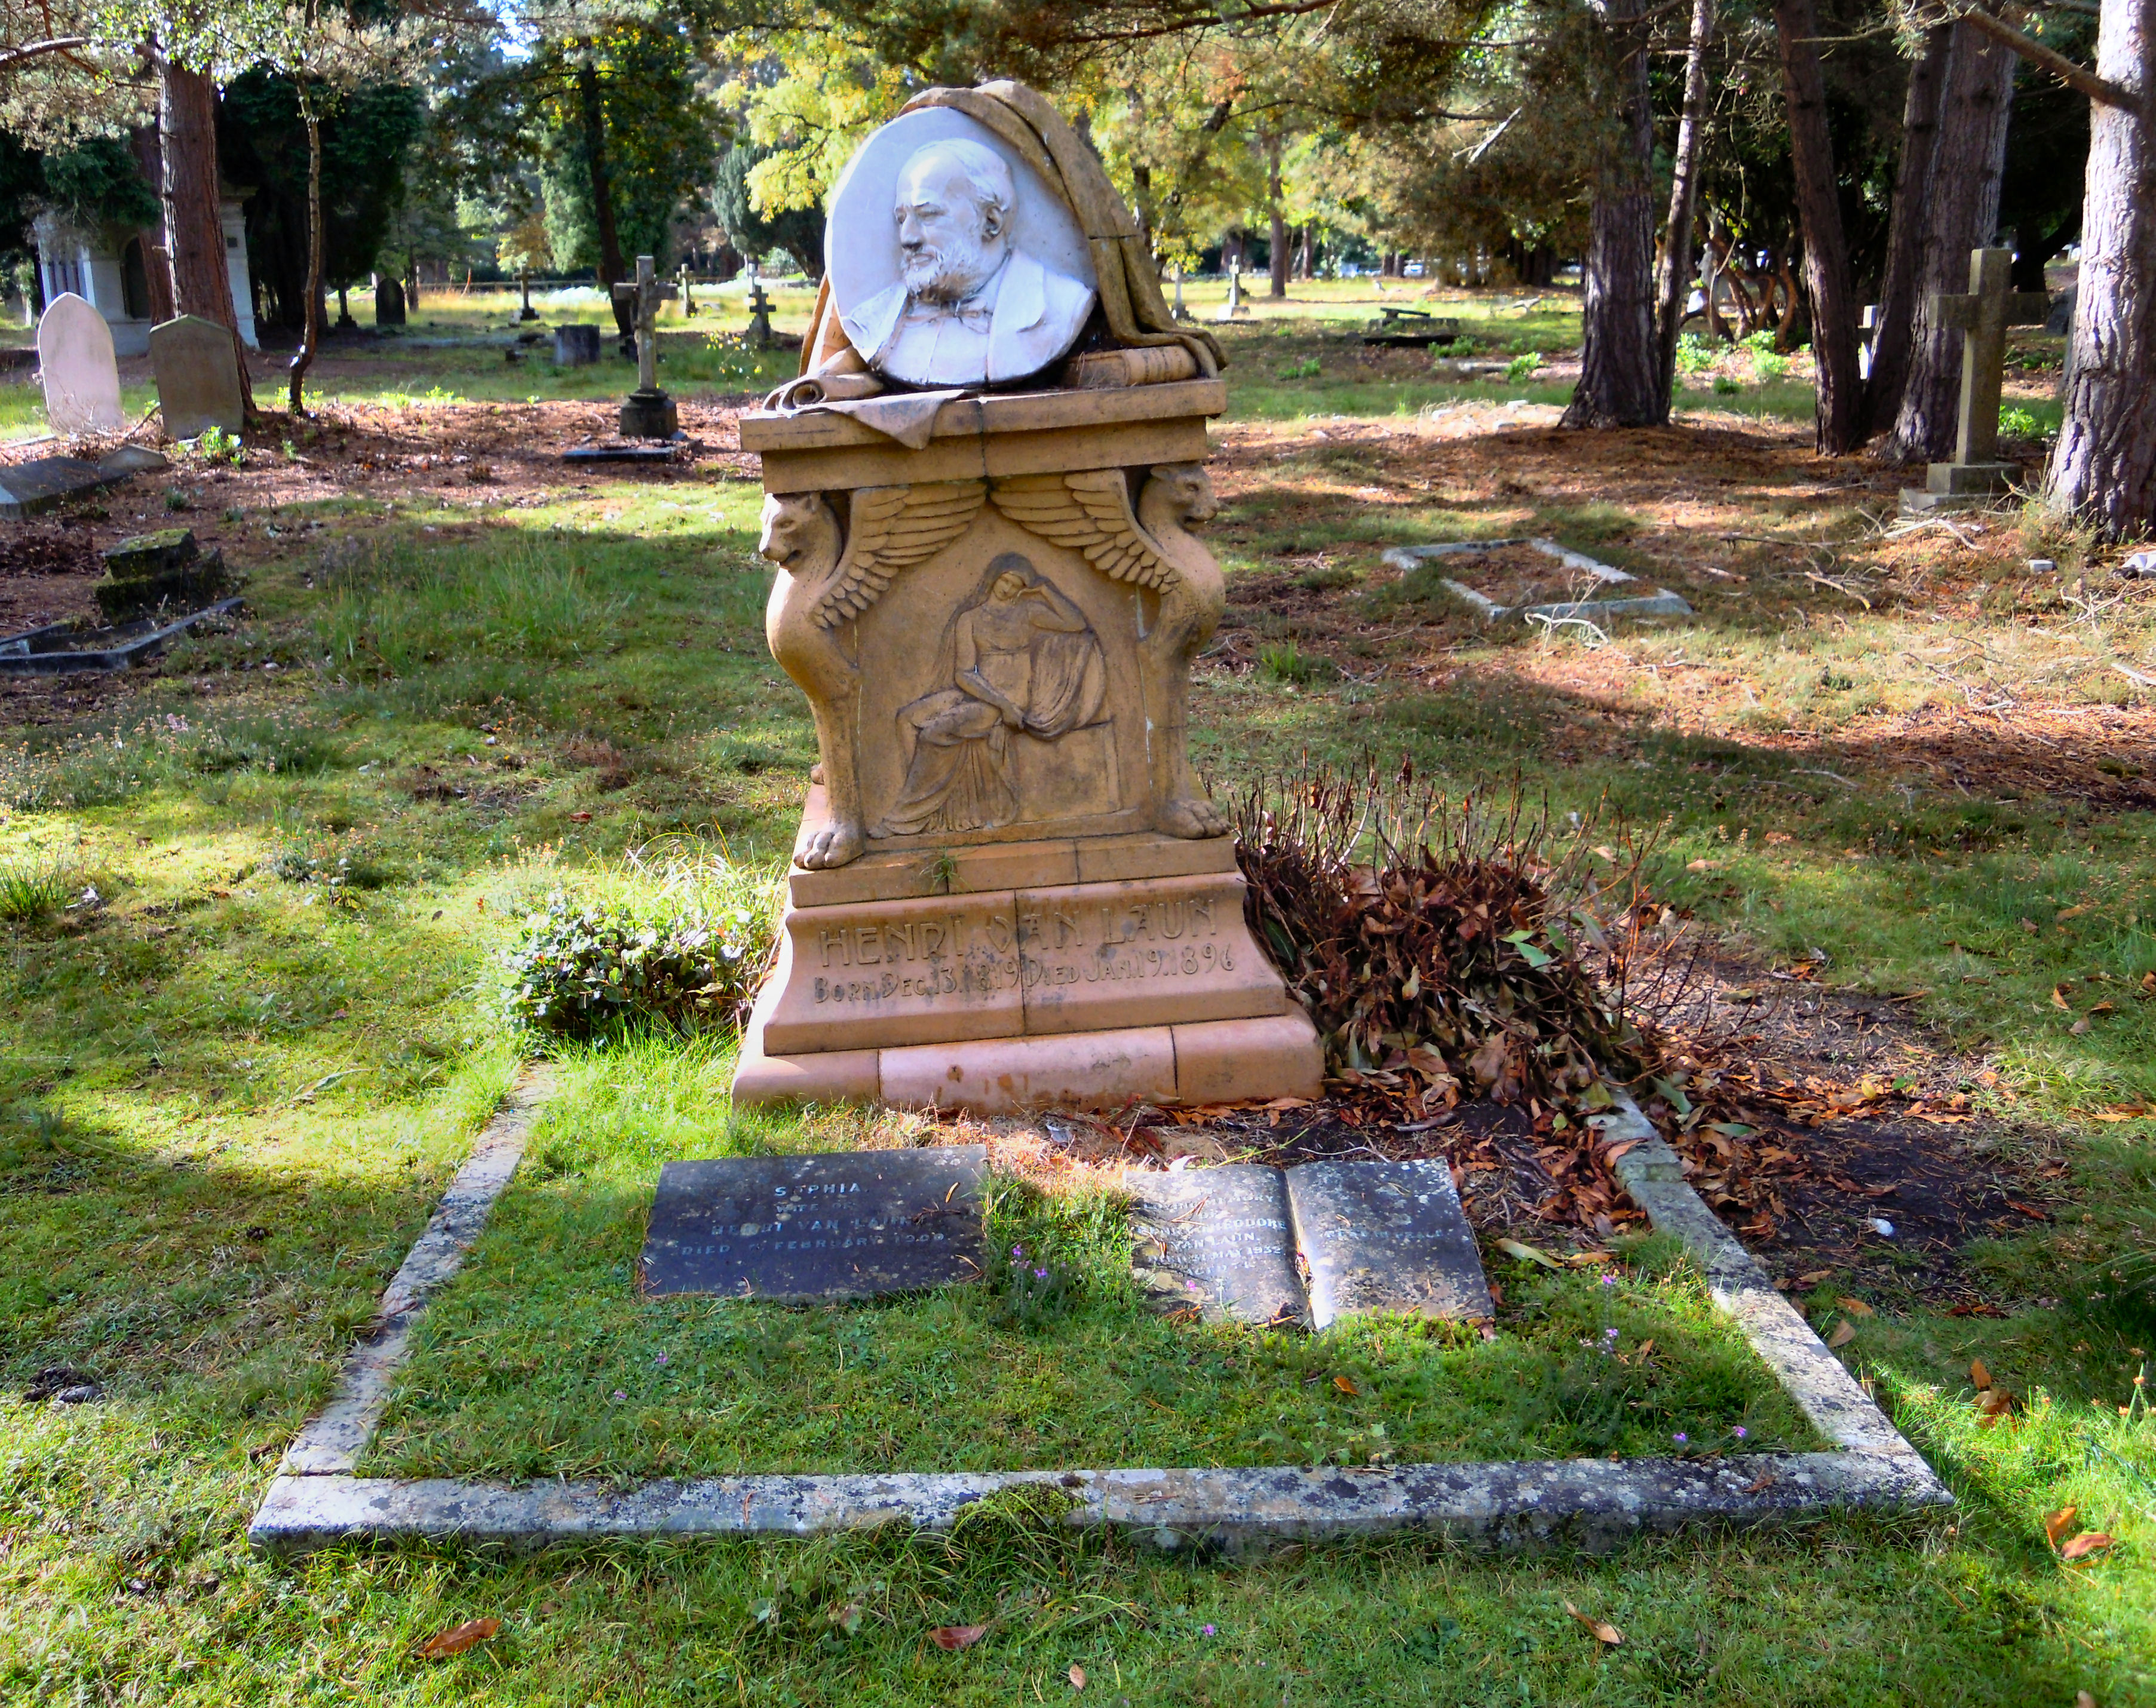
(229,1099)
(543,1360)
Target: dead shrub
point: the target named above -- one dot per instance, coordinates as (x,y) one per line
(1442,945)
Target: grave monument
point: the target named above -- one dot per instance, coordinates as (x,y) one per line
(1982,315)
(647,412)
(1009,888)
(78,369)
(198,367)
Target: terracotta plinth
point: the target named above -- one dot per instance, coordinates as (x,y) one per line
(1009,889)
(991,911)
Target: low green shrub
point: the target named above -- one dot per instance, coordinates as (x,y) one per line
(579,968)
(1524,366)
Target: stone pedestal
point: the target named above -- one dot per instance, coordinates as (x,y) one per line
(649,415)
(1007,891)
(1950,486)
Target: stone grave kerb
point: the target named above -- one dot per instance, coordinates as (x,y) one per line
(647,412)
(1982,314)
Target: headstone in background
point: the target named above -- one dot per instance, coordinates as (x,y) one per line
(197,366)
(80,375)
(647,412)
(1218,1241)
(161,571)
(576,345)
(801,1229)
(388,302)
(1982,315)
(2060,319)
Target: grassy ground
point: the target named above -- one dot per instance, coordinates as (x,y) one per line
(237,1075)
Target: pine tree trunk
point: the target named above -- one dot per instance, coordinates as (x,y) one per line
(194,235)
(1617,370)
(1277,253)
(592,110)
(1961,215)
(1905,228)
(311,341)
(1838,420)
(1673,281)
(2104,467)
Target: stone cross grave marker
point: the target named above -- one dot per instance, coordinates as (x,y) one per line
(75,362)
(1982,316)
(197,366)
(524,289)
(648,413)
(796,1229)
(688,295)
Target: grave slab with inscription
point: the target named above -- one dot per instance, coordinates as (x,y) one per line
(799,1229)
(982,498)
(1242,1243)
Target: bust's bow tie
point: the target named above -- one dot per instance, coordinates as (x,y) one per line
(976,314)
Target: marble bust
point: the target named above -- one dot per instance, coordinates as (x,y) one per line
(971,306)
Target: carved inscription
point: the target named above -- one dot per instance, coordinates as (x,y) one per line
(1216,1240)
(953,955)
(825,1227)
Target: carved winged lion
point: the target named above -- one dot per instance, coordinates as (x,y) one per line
(1090,512)
(892,528)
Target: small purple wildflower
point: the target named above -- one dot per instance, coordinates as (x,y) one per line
(1018,1254)
(1679,1437)
(662,1358)
(1611,1332)
(1610,1281)
(620,1396)
(1740,1432)
(1208,1630)
(1040,1274)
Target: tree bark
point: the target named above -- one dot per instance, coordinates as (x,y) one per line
(593,108)
(1277,251)
(1961,207)
(1895,324)
(194,235)
(2104,467)
(1838,420)
(1618,359)
(1673,275)
(311,341)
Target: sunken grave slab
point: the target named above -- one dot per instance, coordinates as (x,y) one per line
(1218,1239)
(1657,601)
(1386,1236)
(44,483)
(802,1229)
(1236,1242)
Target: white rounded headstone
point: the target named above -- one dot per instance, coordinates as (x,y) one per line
(76,364)
(1030,313)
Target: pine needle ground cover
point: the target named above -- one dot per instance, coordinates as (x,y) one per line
(232,1090)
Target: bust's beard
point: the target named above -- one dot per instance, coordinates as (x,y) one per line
(949,274)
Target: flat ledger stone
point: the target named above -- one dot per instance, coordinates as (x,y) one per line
(1218,1239)
(1386,1236)
(799,1229)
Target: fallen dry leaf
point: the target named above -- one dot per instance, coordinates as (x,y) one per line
(1077,1677)
(1812,1278)
(1843,1336)
(2059,997)
(2089,1541)
(1527,1254)
(957,1636)
(457,1639)
(1979,1375)
(2082,1699)
(1856,1307)
(1347,1386)
(2067,913)
(580,817)
(2058,1524)
(1765,1481)
(1603,1631)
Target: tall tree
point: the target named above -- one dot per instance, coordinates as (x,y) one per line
(1617,384)
(1674,270)
(1905,233)
(2104,465)
(1961,214)
(1838,418)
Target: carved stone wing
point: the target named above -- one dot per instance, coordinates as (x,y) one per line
(1089,511)
(891,528)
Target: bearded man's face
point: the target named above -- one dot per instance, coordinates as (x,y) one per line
(946,247)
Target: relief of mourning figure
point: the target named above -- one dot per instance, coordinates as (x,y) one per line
(971,307)
(1021,660)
